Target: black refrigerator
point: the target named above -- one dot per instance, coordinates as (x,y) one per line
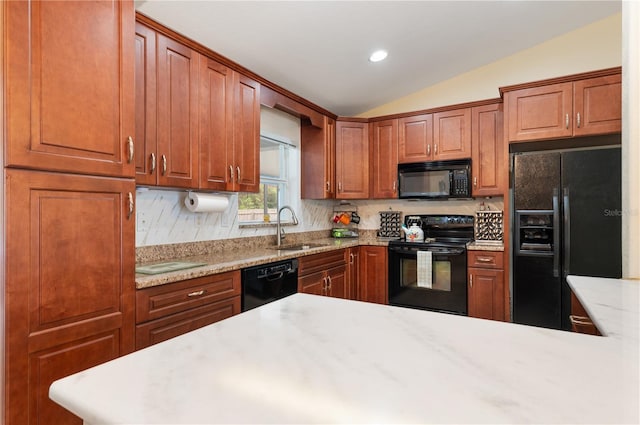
(566,220)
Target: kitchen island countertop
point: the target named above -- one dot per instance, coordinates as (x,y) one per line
(313,359)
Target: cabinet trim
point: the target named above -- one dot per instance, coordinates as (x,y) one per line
(559,80)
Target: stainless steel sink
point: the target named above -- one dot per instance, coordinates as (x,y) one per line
(298,247)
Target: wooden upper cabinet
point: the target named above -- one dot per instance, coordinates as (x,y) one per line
(216,125)
(246,134)
(487,153)
(452,134)
(70,287)
(166,101)
(145,105)
(583,107)
(352,160)
(70,86)
(384,159)
(415,139)
(229,129)
(177,137)
(318,156)
(597,105)
(540,112)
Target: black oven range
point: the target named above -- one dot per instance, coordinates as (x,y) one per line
(432,275)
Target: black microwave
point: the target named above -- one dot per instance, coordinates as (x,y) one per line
(435,179)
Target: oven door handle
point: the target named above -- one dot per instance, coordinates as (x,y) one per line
(438,251)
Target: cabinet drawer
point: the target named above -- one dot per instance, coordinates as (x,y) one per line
(174,325)
(323,261)
(159,301)
(485,259)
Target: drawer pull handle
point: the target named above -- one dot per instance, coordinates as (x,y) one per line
(484,259)
(196,293)
(153,163)
(164,165)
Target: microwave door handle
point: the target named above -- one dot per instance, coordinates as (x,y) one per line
(556,234)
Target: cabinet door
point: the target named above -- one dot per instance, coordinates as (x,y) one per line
(372,282)
(246,140)
(69,283)
(146,104)
(318,160)
(352,160)
(353,272)
(216,125)
(314,283)
(452,134)
(540,112)
(415,139)
(337,281)
(177,114)
(487,143)
(598,105)
(384,154)
(70,86)
(486,293)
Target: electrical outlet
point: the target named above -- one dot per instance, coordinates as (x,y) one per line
(142,222)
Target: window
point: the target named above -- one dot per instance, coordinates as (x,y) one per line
(279,162)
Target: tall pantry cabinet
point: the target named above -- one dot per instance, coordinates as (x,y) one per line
(68,235)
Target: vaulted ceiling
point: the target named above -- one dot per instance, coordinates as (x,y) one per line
(319,49)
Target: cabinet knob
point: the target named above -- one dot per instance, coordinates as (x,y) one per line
(164,165)
(130,149)
(153,163)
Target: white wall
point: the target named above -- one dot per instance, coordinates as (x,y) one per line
(631,141)
(595,46)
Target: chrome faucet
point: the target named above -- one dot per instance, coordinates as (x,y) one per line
(279,229)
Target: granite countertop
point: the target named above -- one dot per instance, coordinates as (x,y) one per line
(313,359)
(485,246)
(236,259)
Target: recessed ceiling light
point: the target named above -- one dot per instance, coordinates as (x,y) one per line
(378,55)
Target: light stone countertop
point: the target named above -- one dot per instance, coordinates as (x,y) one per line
(313,359)
(236,259)
(612,304)
(484,246)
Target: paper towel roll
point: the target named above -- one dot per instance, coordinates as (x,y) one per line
(205,202)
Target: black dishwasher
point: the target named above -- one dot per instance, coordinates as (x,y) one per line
(268,282)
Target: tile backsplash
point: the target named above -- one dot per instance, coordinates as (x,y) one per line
(162,218)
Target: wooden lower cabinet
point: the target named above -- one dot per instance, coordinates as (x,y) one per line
(486,285)
(353,272)
(373,273)
(69,299)
(167,311)
(324,274)
(579,318)
(332,283)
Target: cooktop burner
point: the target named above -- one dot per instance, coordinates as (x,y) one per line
(445,230)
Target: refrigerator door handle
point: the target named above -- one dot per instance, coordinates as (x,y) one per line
(567,231)
(556,233)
